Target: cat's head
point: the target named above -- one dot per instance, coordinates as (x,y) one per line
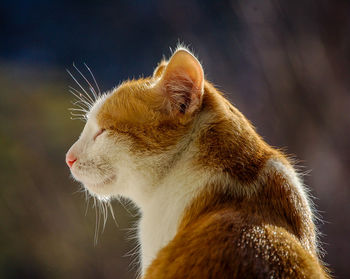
(133,132)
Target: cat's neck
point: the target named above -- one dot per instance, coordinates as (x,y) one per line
(163,210)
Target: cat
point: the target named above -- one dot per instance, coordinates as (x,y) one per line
(216,200)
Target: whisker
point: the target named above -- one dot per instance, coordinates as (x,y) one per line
(80,104)
(81,96)
(79,118)
(78,191)
(77,114)
(97,223)
(93,77)
(90,86)
(79,84)
(93,93)
(104,214)
(78,109)
(87,202)
(112,213)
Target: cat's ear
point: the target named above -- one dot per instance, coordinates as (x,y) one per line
(181,83)
(160,68)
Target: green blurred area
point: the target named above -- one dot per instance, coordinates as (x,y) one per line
(44,230)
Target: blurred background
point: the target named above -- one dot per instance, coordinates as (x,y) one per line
(284,64)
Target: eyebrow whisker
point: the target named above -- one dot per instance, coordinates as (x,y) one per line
(92,101)
(78,109)
(77,114)
(79,118)
(81,97)
(93,77)
(80,104)
(90,86)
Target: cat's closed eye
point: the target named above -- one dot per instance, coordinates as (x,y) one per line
(100,132)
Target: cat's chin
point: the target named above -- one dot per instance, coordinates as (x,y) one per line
(102,188)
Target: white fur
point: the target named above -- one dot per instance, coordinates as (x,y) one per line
(163,210)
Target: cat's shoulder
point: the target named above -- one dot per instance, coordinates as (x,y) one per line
(221,244)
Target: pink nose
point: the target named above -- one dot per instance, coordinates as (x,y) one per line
(70,159)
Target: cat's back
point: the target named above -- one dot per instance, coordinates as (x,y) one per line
(224,244)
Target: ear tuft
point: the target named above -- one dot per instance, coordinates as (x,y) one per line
(181,83)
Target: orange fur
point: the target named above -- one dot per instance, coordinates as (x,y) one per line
(132,110)
(221,244)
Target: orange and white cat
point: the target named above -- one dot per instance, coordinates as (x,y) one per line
(216,200)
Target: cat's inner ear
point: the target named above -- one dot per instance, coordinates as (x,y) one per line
(181,83)
(160,69)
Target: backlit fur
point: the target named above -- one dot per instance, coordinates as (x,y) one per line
(216,200)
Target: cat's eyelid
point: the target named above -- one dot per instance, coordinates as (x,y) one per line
(99,133)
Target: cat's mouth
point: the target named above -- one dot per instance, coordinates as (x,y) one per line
(94,181)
